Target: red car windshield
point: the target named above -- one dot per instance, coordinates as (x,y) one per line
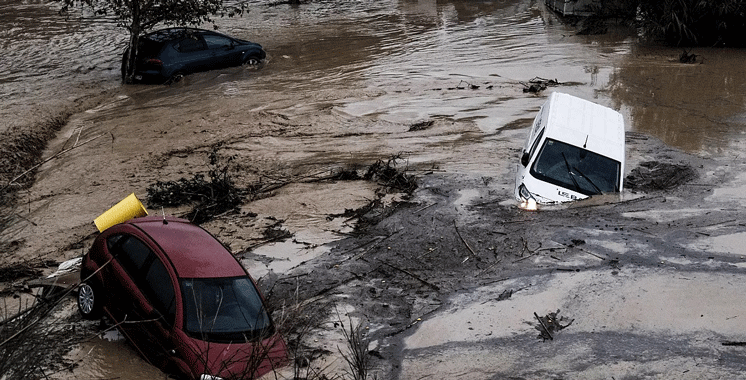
(224,310)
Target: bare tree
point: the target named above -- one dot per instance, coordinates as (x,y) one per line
(140,16)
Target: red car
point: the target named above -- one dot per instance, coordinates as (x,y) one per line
(181,298)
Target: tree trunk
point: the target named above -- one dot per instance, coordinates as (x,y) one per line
(130,56)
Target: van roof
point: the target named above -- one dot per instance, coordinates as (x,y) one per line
(582,123)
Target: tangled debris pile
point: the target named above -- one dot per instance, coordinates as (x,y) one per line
(657,176)
(219,194)
(35,339)
(537,85)
(391,178)
(209,198)
(421,126)
(550,324)
(685,57)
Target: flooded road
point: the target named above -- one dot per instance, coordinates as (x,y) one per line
(397,61)
(343,84)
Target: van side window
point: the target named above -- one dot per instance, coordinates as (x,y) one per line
(536,142)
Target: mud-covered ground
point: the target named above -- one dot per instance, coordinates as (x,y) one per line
(448,281)
(445,281)
(414,276)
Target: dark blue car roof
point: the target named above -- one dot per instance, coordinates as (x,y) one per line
(171,33)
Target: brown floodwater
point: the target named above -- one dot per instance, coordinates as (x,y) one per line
(397,61)
(347,79)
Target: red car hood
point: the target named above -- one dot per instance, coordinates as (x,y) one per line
(235,360)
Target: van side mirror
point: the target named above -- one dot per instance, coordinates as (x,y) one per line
(524,159)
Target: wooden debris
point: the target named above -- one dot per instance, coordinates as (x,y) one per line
(729,343)
(462,238)
(435,287)
(550,324)
(685,57)
(538,84)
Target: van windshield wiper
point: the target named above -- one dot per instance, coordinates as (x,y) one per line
(598,190)
(569,171)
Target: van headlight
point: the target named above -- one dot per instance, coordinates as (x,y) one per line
(528,202)
(525,194)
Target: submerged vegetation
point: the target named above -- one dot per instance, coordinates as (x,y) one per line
(681,22)
(219,194)
(696,22)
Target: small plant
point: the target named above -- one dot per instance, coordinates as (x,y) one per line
(26,331)
(386,173)
(356,356)
(210,197)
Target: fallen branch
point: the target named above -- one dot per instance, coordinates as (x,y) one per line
(524,258)
(29,170)
(435,287)
(729,343)
(592,254)
(546,329)
(425,208)
(462,238)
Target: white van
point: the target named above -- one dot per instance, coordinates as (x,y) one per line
(575,149)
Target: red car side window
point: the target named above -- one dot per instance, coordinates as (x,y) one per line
(132,254)
(160,290)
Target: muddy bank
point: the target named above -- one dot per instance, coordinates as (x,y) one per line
(412,276)
(430,275)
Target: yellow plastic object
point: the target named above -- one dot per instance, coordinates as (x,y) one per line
(126,209)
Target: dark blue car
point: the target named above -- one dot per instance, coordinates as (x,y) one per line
(168,54)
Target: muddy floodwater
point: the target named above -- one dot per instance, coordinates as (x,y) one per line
(398,61)
(441,85)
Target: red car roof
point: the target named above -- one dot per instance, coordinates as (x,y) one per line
(194,253)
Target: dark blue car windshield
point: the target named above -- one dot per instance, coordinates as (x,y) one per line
(224,310)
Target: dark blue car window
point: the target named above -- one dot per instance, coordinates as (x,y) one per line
(217,42)
(190,44)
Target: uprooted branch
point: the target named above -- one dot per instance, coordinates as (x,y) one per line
(537,84)
(218,194)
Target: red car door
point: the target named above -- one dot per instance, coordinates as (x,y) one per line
(132,272)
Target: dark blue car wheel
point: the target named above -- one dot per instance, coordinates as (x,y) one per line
(252,60)
(178,76)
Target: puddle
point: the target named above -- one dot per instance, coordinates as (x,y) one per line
(305,208)
(732,244)
(666,216)
(112,335)
(105,359)
(735,194)
(280,257)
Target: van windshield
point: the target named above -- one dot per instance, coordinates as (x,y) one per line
(576,168)
(224,310)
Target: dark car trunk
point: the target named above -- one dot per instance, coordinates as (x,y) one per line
(148,53)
